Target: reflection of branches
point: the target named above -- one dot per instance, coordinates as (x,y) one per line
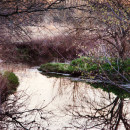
(15,114)
(93,108)
(110,119)
(107,117)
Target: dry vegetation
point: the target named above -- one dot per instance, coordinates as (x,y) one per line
(3,88)
(58,48)
(98,28)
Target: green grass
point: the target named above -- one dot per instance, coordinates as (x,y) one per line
(89,66)
(92,67)
(55,67)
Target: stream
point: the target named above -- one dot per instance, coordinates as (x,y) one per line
(67,105)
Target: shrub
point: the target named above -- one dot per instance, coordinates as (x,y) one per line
(61,48)
(127,65)
(8,84)
(86,64)
(13,81)
(80,61)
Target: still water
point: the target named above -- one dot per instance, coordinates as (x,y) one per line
(60,104)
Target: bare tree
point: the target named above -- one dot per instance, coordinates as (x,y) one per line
(15,15)
(110,22)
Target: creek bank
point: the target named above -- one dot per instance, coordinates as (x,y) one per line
(97,72)
(107,86)
(8,84)
(92,68)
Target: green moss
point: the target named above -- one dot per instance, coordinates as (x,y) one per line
(54,67)
(13,81)
(71,69)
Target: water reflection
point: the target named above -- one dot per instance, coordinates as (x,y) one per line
(63,104)
(94,109)
(18,111)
